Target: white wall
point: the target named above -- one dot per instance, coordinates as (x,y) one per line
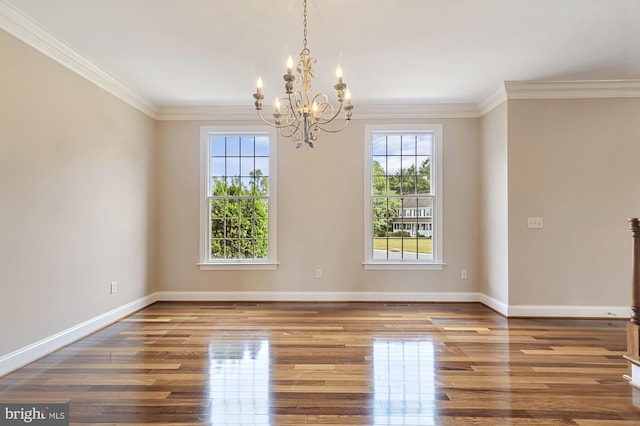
(574,163)
(494,245)
(320,217)
(76,198)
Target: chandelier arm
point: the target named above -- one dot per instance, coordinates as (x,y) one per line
(294,103)
(277,126)
(327,118)
(266,121)
(294,128)
(333,116)
(288,117)
(320,99)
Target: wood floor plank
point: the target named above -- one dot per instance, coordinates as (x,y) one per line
(218,363)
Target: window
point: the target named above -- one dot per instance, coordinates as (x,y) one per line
(403,197)
(238,209)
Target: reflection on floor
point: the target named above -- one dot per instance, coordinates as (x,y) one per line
(239,383)
(403,382)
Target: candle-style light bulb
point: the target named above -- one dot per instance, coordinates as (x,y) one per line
(289,65)
(339,74)
(277,106)
(347,96)
(314,109)
(259,85)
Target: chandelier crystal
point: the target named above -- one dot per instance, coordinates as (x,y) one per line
(303,112)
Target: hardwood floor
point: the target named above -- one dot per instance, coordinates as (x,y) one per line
(337,364)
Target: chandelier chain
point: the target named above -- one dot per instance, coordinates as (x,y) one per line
(304,22)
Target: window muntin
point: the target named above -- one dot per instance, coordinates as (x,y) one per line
(238,211)
(403,197)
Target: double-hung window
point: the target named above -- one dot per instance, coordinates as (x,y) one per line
(238,208)
(403,197)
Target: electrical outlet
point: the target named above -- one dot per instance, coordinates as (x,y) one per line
(534,222)
(318,273)
(114,287)
(463,274)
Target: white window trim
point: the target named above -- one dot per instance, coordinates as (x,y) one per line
(239,264)
(437,262)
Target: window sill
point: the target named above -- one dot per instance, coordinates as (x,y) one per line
(238,266)
(407,266)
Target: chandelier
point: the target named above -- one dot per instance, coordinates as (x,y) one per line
(303,112)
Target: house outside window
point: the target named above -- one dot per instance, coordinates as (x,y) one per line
(414,219)
(238,208)
(403,197)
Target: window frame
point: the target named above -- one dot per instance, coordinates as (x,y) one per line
(436,262)
(205,262)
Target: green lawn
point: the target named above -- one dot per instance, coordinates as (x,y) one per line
(406,244)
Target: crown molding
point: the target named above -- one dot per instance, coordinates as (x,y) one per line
(24,28)
(495,98)
(207,113)
(436,110)
(361,112)
(577,89)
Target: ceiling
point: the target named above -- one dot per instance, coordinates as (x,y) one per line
(198,53)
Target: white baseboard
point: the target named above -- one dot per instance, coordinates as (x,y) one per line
(620,312)
(314,296)
(34,351)
(555,311)
(495,304)
(614,312)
